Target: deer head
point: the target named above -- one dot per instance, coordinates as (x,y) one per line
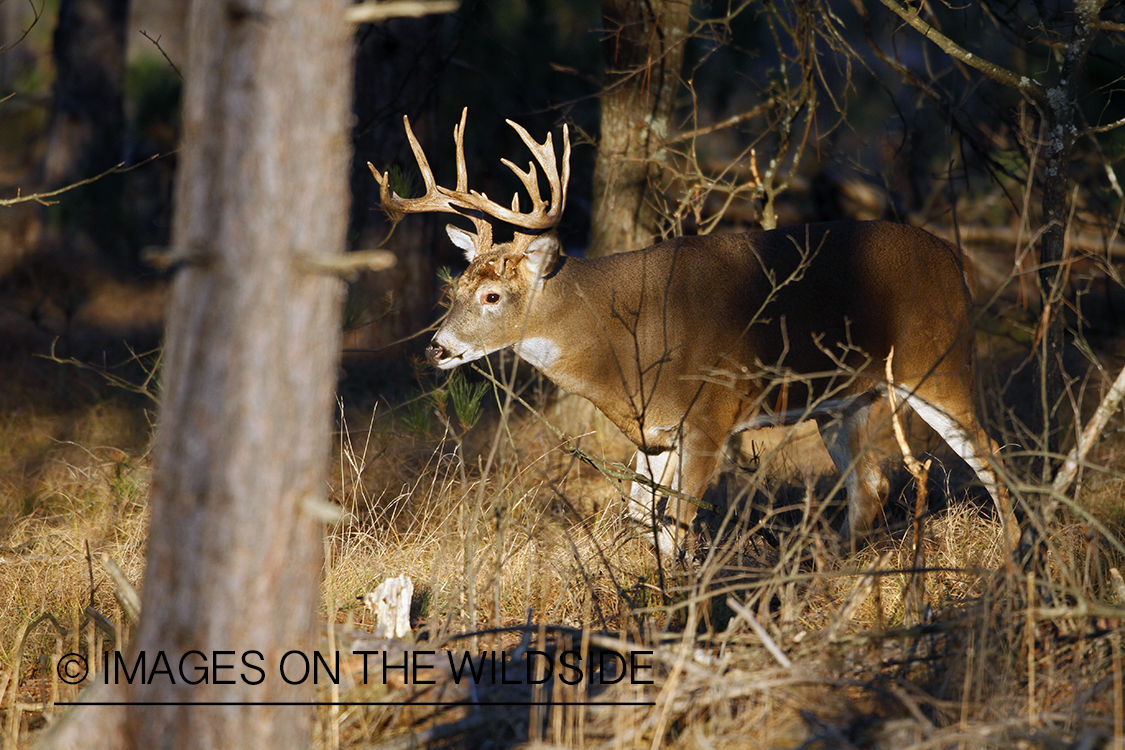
(491,299)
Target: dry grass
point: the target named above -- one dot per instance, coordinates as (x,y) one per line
(498,520)
(486,531)
(73,481)
(66,485)
(524,535)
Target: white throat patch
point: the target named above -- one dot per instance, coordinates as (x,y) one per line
(538,351)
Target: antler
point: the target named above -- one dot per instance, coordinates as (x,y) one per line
(544,214)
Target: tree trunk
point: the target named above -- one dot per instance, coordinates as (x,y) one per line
(234,556)
(86,132)
(644,55)
(87,107)
(1052,280)
(398,67)
(1061,120)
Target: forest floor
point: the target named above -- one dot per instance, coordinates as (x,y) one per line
(776,638)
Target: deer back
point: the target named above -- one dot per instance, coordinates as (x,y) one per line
(712,323)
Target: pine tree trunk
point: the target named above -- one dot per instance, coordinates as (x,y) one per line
(87,128)
(234,556)
(644,54)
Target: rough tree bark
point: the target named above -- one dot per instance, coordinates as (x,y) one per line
(1060,116)
(644,54)
(234,555)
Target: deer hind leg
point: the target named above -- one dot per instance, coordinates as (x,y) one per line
(962,432)
(846,435)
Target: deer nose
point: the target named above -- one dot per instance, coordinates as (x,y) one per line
(435,353)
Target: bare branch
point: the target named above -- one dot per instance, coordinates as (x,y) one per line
(763,635)
(42,197)
(348,265)
(727,123)
(1021,83)
(145,388)
(37,14)
(1103,128)
(124,591)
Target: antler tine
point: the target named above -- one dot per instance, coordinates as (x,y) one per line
(542,215)
(544,153)
(459,141)
(420,157)
(469,203)
(530,180)
(387,198)
(483,227)
(566,167)
(436,198)
(547,149)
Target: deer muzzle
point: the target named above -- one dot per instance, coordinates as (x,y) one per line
(435,353)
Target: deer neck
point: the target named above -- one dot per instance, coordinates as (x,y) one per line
(545,339)
(564,334)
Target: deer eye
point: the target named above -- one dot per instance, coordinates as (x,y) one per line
(491,298)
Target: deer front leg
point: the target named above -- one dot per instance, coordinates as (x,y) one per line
(648,506)
(686,469)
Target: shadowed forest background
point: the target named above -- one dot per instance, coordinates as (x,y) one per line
(726,117)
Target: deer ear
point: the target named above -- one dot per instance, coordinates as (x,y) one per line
(541,254)
(464,240)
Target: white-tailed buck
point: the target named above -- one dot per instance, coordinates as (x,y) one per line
(684,343)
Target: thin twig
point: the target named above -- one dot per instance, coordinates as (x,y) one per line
(1032,708)
(156,42)
(731,121)
(856,597)
(609,469)
(914,597)
(37,13)
(124,591)
(1118,702)
(115,380)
